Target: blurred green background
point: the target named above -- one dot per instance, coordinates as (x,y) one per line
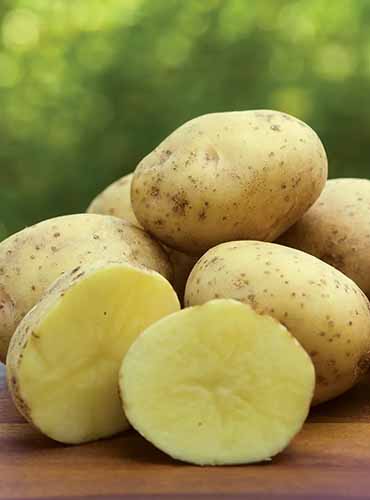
(88,87)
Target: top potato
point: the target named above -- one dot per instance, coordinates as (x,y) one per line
(229,176)
(33,258)
(337,229)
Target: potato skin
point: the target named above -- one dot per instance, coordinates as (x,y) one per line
(7,317)
(336,229)
(18,342)
(326,311)
(33,258)
(116,200)
(229,176)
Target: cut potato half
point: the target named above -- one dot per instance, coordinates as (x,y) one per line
(64,358)
(217,384)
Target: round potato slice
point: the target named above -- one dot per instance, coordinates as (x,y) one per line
(217,384)
(64,358)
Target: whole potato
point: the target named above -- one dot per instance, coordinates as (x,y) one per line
(33,258)
(326,311)
(116,200)
(336,229)
(229,176)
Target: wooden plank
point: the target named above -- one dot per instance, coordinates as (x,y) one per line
(8,414)
(329,459)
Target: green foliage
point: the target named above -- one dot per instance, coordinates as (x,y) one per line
(88,87)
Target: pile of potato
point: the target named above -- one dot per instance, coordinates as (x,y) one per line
(231,216)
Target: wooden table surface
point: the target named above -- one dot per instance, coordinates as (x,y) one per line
(329,459)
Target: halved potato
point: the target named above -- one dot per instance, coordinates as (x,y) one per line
(64,358)
(217,384)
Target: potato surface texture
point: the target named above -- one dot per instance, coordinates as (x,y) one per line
(116,200)
(64,359)
(326,311)
(217,384)
(35,257)
(229,176)
(336,229)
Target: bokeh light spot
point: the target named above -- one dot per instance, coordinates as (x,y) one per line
(230,29)
(21,29)
(335,62)
(292,100)
(294,26)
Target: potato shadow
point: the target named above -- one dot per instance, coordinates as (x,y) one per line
(353,405)
(136,449)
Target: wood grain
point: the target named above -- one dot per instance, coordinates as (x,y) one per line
(329,459)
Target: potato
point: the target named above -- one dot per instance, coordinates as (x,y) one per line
(64,357)
(229,176)
(207,385)
(337,229)
(33,258)
(115,200)
(326,311)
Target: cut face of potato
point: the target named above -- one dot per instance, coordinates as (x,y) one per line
(64,358)
(217,384)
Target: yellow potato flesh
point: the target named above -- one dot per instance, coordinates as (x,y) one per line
(217,384)
(68,375)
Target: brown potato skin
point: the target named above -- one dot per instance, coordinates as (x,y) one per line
(324,309)
(229,176)
(336,229)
